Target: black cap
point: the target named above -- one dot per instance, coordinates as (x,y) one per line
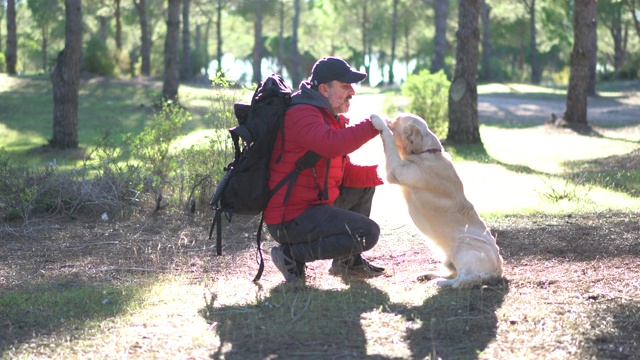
(332,68)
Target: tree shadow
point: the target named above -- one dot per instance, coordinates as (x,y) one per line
(578,238)
(456,324)
(296,322)
(61,305)
(620,337)
(617,172)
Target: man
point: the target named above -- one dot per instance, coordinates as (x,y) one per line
(326,213)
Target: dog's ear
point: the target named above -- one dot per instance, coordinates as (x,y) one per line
(414,139)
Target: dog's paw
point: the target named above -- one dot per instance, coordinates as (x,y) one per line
(378,122)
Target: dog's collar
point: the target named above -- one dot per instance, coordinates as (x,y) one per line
(431,151)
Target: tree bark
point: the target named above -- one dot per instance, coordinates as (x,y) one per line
(65,79)
(296,67)
(631,4)
(394,35)
(486,72)
(11,53)
(535,65)
(463,95)
(118,26)
(185,62)
(257,46)
(441,9)
(593,61)
(219,36)
(145,40)
(584,19)
(171,46)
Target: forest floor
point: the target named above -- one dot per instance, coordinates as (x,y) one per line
(571,287)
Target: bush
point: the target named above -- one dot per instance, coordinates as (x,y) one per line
(428,96)
(3,63)
(97,59)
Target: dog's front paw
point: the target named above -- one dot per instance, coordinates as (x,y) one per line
(378,122)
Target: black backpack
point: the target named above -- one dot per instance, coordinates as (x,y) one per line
(244,187)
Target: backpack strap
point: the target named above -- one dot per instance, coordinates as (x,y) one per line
(259,250)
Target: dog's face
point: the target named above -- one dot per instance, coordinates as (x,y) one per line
(412,135)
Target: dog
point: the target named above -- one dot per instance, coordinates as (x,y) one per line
(437,205)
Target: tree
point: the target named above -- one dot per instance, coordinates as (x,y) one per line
(530,6)
(11,52)
(2,13)
(584,20)
(463,94)
(186,72)
(487,49)
(65,79)
(610,15)
(258,46)
(219,40)
(171,46)
(633,9)
(394,31)
(45,13)
(441,9)
(145,39)
(295,70)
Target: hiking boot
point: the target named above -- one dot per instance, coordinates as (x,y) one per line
(290,269)
(356,265)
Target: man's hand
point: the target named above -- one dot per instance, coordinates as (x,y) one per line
(379,123)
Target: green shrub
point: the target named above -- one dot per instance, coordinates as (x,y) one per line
(428,98)
(151,148)
(3,63)
(97,59)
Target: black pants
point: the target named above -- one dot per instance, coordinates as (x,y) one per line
(331,232)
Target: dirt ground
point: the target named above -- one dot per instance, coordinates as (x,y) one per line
(596,251)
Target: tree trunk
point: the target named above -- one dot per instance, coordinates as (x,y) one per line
(185,61)
(584,19)
(631,4)
(394,32)
(171,48)
(463,95)
(65,79)
(11,53)
(441,9)
(103,28)
(257,46)
(45,38)
(535,65)
(145,40)
(616,34)
(118,27)
(296,67)
(486,73)
(366,42)
(219,37)
(281,15)
(593,61)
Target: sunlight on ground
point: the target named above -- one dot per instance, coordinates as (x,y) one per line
(516,88)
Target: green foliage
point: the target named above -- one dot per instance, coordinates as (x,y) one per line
(561,78)
(22,189)
(3,62)
(151,147)
(428,98)
(97,58)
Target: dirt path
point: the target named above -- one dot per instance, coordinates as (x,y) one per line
(601,111)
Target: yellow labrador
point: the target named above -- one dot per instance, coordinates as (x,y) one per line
(435,197)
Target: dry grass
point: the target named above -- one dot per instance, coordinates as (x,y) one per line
(572,291)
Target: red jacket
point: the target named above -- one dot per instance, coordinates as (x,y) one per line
(305,129)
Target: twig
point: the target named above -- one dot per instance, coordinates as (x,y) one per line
(127,269)
(293,305)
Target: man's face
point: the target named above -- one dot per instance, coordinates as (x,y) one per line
(338,94)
